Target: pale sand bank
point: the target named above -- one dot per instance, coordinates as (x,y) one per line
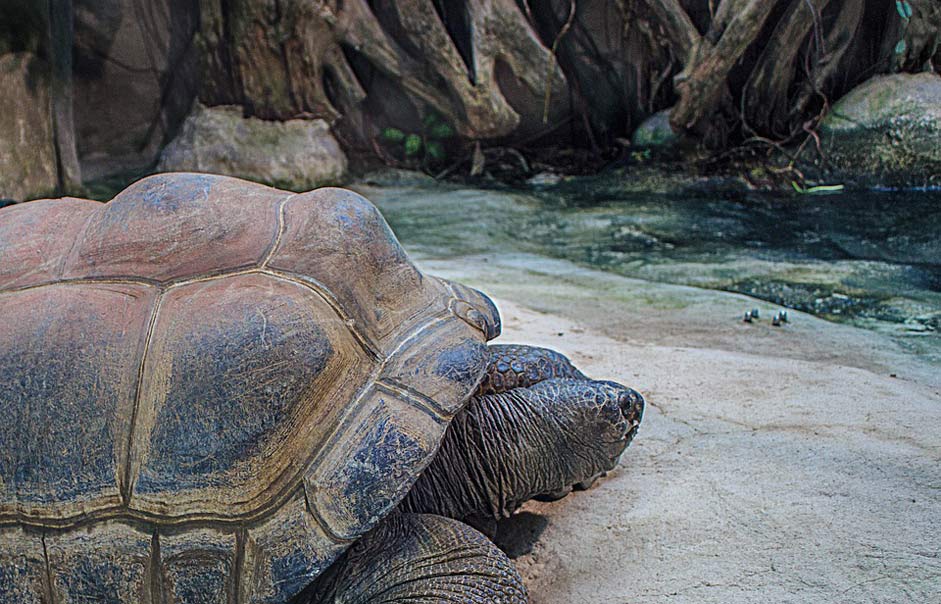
(773,465)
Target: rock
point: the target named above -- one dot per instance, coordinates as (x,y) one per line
(544,179)
(887,131)
(386,176)
(655,131)
(295,154)
(27,145)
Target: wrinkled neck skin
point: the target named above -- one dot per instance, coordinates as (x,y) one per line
(508,448)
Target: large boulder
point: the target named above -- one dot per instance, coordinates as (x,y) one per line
(887,131)
(297,154)
(27,145)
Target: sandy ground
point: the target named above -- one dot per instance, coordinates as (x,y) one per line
(791,464)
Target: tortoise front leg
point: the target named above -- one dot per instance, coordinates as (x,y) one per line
(420,559)
(537,441)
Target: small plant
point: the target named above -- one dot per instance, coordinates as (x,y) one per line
(427,145)
(905,12)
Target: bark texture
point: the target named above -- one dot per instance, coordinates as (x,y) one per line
(708,66)
(766,94)
(496,72)
(61,34)
(286,58)
(133,82)
(28,165)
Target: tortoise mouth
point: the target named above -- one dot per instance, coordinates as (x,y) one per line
(630,411)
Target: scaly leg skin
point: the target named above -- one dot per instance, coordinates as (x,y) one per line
(420,559)
(518,366)
(537,441)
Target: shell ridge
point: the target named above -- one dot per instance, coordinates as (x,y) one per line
(280,231)
(79,238)
(414,398)
(153,574)
(127,480)
(428,324)
(236,585)
(318,518)
(124,514)
(245,269)
(349,414)
(321,290)
(49,593)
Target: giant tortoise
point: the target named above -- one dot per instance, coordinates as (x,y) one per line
(212,389)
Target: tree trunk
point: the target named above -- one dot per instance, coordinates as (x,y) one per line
(766,95)
(836,44)
(60,30)
(701,83)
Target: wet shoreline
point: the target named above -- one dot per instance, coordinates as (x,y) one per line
(868,259)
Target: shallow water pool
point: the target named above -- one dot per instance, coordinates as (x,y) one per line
(871,259)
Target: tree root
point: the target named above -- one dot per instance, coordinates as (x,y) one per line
(765,97)
(701,83)
(272,56)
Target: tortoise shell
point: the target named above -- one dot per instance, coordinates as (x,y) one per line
(210,388)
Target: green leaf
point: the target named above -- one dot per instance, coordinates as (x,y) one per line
(904,9)
(907,8)
(825,189)
(412,144)
(435,150)
(900,47)
(817,190)
(441,130)
(429,120)
(393,135)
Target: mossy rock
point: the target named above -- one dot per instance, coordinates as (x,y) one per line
(655,132)
(887,131)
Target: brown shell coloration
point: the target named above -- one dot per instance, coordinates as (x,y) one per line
(210,388)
